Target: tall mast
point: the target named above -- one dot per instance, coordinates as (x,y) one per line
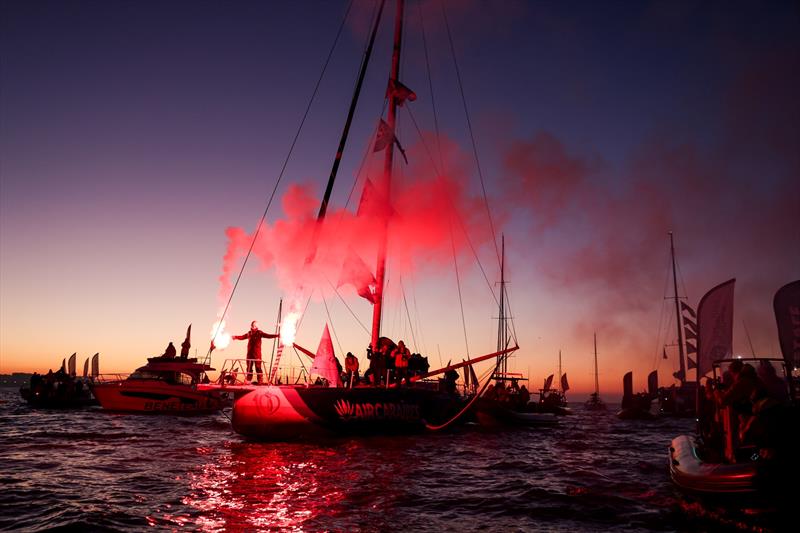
(385,185)
(682,355)
(596,372)
(559,368)
(502,332)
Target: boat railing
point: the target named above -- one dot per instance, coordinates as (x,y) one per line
(239,372)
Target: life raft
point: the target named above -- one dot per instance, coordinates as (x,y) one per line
(690,472)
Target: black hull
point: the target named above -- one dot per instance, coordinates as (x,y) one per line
(495,414)
(54,400)
(289,412)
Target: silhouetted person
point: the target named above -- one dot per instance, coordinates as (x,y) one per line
(185,345)
(524,396)
(450,378)
(254,337)
(170,352)
(377,363)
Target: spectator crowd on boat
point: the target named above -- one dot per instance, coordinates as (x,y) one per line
(389,363)
(513,395)
(748,412)
(55,388)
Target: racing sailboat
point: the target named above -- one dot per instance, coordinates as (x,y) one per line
(283,411)
(594,403)
(679,401)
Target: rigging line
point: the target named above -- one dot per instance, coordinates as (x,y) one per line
(458,216)
(468,406)
(510,318)
(408,315)
(471,134)
(416,314)
(458,284)
(335,336)
(430,85)
(347,306)
(362,70)
(303,314)
(424,143)
(281,173)
(656,362)
(367,151)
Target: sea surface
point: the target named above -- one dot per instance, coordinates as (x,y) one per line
(88,469)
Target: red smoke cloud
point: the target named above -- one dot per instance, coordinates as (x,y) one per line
(732,203)
(427,214)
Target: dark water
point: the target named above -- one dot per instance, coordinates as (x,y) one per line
(91,469)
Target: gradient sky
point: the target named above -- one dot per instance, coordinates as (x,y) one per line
(132,134)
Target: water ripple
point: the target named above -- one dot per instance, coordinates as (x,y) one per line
(94,470)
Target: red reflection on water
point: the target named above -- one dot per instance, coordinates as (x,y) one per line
(269,486)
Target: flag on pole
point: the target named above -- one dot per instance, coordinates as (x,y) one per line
(71,364)
(356,273)
(715,326)
(186,343)
(787,313)
(400,92)
(664,354)
(564,383)
(385,138)
(686,307)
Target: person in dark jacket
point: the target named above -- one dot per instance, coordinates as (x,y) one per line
(254,337)
(170,352)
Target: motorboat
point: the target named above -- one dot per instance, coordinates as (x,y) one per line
(166,385)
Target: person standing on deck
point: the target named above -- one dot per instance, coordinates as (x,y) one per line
(401,356)
(351,367)
(170,352)
(254,337)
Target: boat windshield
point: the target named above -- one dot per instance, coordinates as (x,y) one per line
(179,378)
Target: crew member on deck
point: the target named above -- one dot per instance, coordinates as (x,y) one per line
(351,367)
(170,352)
(254,337)
(401,355)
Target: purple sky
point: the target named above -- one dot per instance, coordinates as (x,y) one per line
(132,134)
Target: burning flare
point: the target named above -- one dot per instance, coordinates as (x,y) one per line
(219,337)
(289,328)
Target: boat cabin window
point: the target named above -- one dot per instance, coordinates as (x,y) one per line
(145,374)
(183,379)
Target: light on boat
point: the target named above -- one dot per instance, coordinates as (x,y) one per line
(219,336)
(289,328)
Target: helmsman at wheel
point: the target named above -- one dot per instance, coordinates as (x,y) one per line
(254,337)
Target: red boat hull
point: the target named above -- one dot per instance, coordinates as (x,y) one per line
(143,396)
(288,412)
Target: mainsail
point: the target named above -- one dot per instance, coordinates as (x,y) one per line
(96,365)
